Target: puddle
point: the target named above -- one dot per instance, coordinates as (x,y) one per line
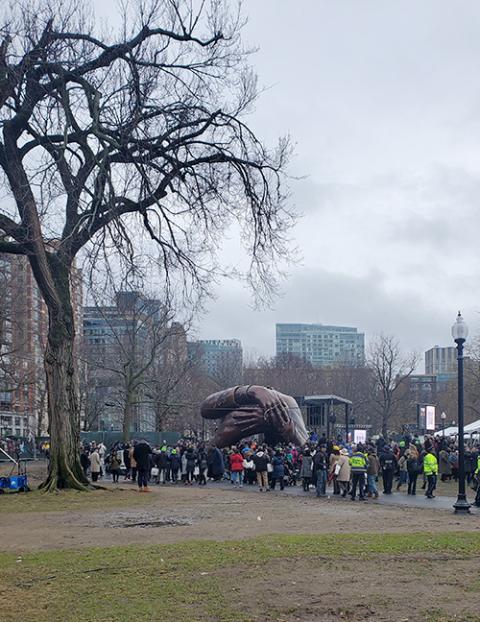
(147,524)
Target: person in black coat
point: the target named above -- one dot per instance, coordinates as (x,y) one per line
(85,461)
(388,463)
(216,465)
(191,457)
(141,453)
(175,465)
(162,462)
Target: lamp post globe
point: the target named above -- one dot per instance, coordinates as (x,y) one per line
(460,334)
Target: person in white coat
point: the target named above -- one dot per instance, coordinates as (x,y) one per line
(95,464)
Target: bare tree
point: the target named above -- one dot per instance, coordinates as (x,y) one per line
(104,135)
(133,368)
(391,370)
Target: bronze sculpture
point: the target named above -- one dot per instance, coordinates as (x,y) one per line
(246,411)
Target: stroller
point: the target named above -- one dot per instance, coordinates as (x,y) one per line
(18,482)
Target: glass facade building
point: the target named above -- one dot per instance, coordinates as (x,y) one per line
(321,345)
(441,362)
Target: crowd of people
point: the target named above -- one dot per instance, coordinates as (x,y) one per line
(354,470)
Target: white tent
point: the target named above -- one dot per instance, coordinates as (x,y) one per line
(472,427)
(451,431)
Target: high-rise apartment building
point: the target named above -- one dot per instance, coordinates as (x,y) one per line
(441,362)
(321,345)
(132,348)
(23,337)
(221,359)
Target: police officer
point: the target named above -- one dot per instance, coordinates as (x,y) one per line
(388,463)
(477,477)
(430,469)
(358,464)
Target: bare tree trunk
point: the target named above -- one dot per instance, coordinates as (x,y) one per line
(384,427)
(127,418)
(64,470)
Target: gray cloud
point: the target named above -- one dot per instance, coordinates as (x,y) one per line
(382,100)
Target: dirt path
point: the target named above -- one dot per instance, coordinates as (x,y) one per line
(179,513)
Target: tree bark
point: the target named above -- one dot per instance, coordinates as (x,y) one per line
(64,470)
(127,418)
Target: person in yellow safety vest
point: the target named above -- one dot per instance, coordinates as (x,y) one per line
(477,477)
(358,464)
(430,469)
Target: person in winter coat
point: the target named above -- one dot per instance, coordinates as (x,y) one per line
(358,464)
(332,461)
(202,465)
(162,463)
(85,461)
(403,471)
(249,475)
(278,472)
(413,467)
(261,460)
(320,462)
(191,460)
(388,463)
(444,465)
(306,470)
(430,468)
(175,465)
(141,455)
(236,467)
(344,472)
(95,465)
(216,464)
(126,461)
(114,464)
(373,470)
(133,463)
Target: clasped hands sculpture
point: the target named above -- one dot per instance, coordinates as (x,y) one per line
(248,410)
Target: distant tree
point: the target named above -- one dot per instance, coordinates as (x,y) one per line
(136,366)
(390,369)
(109,136)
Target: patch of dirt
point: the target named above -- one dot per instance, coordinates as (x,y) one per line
(357,590)
(181,513)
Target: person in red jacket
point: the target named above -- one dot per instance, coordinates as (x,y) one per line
(236,467)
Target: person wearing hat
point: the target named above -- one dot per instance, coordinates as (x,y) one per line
(388,463)
(359,465)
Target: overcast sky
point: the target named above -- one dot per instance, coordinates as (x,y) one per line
(382,100)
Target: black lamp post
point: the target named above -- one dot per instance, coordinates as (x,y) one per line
(460,334)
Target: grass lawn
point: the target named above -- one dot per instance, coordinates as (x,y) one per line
(228,581)
(38,501)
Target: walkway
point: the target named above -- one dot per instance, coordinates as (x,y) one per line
(396,498)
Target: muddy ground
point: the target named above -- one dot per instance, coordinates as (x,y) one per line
(177,513)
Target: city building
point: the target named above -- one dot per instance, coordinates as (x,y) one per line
(321,345)
(133,351)
(221,359)
(423,388)
(23,337)
(441,362)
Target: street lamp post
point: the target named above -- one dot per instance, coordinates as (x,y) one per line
(443,417)
(460,334)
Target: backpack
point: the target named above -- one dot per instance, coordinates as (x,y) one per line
(413,465)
